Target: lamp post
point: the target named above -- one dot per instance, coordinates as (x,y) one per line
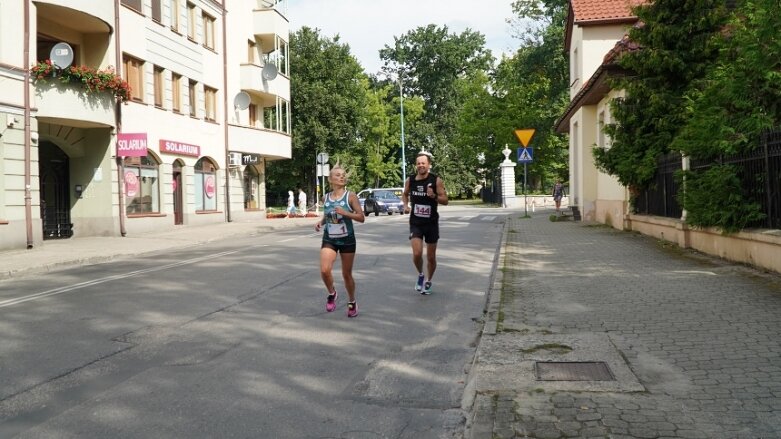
(403,158)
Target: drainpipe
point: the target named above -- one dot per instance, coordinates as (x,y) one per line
(28,207)
(118,124)
(225,110)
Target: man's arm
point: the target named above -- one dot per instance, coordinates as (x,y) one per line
(441,192)
(405,196)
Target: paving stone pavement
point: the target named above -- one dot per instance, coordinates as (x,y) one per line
(699,337)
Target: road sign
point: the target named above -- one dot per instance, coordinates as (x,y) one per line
(524,136)
(322,157)
(525,155)
(323,170)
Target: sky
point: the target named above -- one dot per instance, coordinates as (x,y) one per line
(368,25)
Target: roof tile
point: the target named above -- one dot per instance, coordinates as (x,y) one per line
(599,10)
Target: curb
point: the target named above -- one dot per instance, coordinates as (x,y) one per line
(479,422)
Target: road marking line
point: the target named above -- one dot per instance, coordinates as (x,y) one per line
(77,286)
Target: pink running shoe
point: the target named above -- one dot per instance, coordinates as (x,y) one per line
(330,301)
(352,309)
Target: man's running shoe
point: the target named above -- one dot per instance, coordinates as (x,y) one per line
(419,284)
(330,302)
(426,288)
(352,309)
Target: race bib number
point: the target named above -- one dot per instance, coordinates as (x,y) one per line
(338,230)
(422,210)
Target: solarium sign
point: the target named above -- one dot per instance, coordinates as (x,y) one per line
(131,144)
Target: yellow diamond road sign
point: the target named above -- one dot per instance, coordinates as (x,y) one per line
(524,136)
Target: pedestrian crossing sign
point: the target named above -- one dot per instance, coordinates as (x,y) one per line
(525,155)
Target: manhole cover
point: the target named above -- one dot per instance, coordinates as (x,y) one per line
(572,371)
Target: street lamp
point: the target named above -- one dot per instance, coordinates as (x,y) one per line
(403,158)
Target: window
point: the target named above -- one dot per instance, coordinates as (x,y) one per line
(277,118)
(253,115)
(134,75)
(193,98)
(174,15)
(208,31)
(176,92)
(142,185)
(133,4)
(251,188)
(252,48)
(191,34)
(157,11)
(205,185)
(159,79)
(210,96)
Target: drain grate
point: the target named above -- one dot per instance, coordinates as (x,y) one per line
(572,371)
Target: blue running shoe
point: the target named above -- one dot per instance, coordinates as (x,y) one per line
(419,284)
(426,288)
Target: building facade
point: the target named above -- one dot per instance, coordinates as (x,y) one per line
(593,30)
(138,115)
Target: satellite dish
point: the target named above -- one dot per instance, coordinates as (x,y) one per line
(241,101)
(61,55)
(269,71)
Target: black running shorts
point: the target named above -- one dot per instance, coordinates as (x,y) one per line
(428,232)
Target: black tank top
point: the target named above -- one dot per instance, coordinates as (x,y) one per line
(423,208)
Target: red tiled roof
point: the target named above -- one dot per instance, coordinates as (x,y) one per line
(602,10)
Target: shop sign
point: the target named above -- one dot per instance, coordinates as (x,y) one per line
(208,186)
(131,144)
(131,184)
(179,148)
(249,158)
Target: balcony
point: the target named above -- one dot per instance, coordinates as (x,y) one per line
(270,144)
(69,104)
(252,79)
(268,21)
(84,16)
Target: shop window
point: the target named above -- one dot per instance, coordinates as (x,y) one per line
(251,188)
(142,185)
(205,185)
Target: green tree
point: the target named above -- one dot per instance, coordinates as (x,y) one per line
(328,97)
(676,50)
(727,111)
(435,66)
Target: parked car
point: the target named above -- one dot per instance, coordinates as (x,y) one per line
(365,193)
(382,201)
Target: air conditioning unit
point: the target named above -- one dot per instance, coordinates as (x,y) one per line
(234,159)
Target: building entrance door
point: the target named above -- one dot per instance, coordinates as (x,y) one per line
(55,194)
(177,182)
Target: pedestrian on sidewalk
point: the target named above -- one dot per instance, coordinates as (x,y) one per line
(423,192)
(291,204)
(558,194)
(340,208)
(302,201)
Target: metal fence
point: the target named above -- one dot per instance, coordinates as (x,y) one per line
(758,170)
(661,198)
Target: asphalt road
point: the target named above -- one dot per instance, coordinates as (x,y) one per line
(231,339)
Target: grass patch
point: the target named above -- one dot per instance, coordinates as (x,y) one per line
(553,347)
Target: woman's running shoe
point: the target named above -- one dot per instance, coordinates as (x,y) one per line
(352,309)
(330,301)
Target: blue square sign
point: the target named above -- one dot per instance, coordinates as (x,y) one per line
(525,155)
